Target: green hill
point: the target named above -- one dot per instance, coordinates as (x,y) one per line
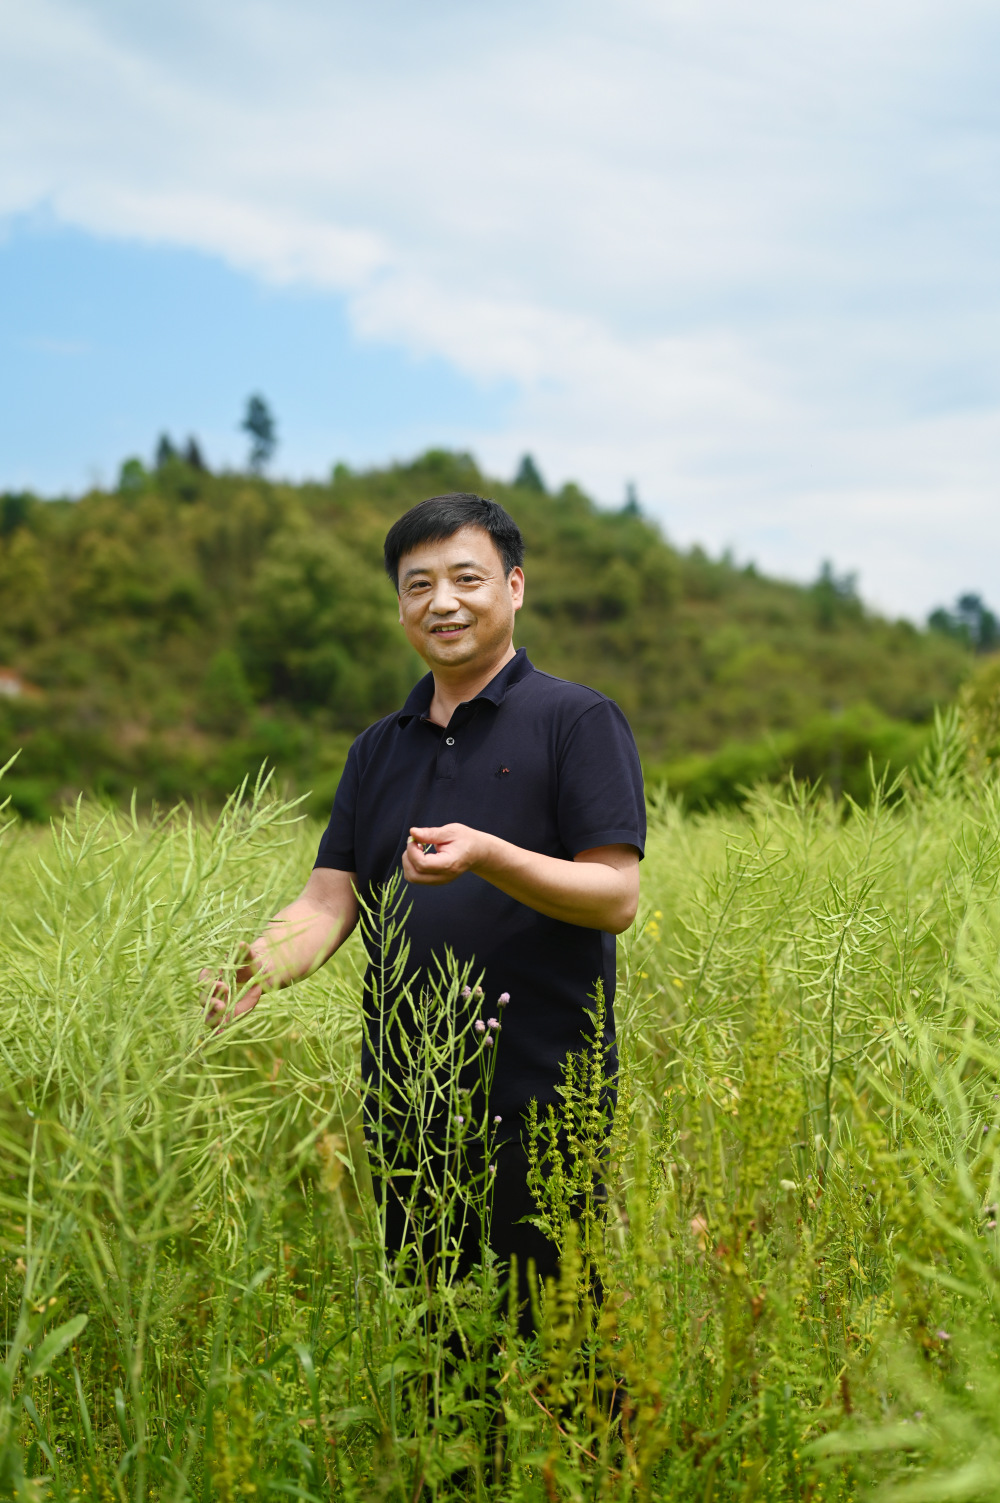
(171,635)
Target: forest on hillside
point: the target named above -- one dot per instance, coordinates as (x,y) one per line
(173,634)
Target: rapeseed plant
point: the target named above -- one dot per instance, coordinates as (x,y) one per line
(781,1255)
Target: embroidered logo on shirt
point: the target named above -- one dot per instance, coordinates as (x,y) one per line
(502,771)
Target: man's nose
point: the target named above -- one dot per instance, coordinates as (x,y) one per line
(443,598)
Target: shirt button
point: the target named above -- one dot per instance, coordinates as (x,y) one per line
(449,741)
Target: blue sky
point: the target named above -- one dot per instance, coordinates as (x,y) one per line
(106,344)
(741,252)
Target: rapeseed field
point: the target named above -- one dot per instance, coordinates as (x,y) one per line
(799,1253)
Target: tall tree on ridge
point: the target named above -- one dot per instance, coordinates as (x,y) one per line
(528,476)
(260,425)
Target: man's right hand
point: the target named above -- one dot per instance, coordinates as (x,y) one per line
(220,1007)
(297,940)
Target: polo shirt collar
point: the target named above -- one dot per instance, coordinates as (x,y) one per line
(419,700)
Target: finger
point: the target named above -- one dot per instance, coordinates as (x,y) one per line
(216,1016)
(429,834)
(224,1015)
(428,863)
(418,867)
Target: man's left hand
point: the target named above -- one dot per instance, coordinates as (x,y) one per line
(597,889)
(457,849)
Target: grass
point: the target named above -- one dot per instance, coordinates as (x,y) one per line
(801,1254)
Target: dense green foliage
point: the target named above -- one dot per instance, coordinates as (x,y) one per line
(970,621)
(187,626)
(802,1256)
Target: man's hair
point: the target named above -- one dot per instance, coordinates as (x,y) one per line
(440,517)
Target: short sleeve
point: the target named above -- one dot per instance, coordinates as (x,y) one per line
(336,849)
(600,794)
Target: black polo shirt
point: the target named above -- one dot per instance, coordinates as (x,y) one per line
(548,765)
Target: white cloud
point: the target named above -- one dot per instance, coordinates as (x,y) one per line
(741,254)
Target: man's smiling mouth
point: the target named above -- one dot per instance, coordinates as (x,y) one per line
(449,629)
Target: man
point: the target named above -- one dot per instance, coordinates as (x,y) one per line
(513,803)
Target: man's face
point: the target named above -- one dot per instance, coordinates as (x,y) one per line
(455,602)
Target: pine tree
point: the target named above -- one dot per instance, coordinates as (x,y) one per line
(259,424)
(529,476)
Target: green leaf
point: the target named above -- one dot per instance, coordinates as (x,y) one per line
(55,1342)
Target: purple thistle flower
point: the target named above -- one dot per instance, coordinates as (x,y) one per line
(503,999)
(488,1041)
(497,1119)
(459,1120)
(943,1335)
(466,993)
(493,1168)
(492,1023)
(479,1026)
